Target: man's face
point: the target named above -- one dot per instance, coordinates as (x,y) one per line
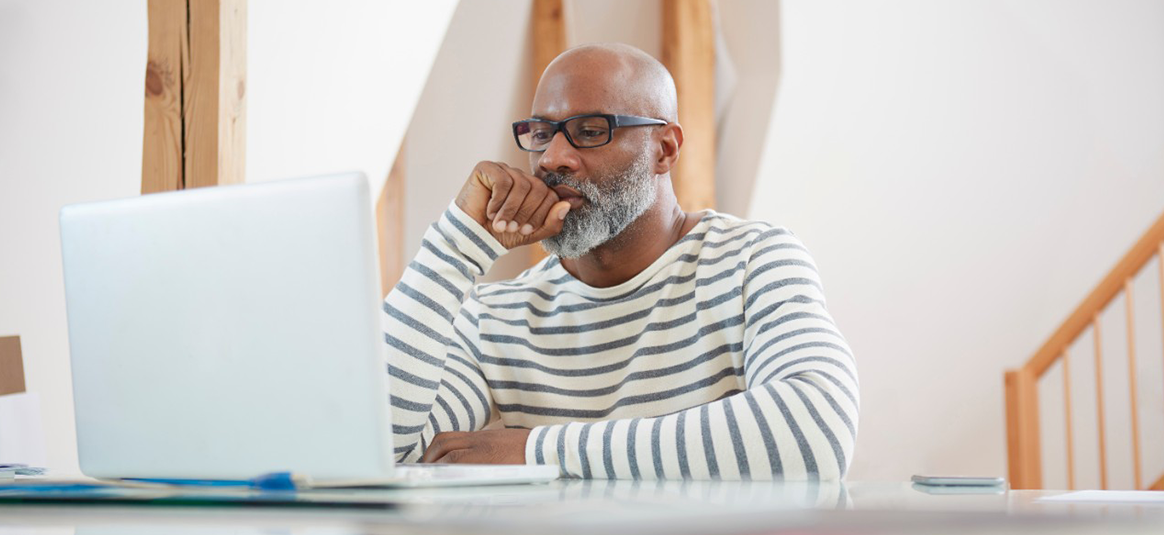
(609,186)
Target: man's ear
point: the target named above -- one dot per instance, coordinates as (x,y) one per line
(670,139)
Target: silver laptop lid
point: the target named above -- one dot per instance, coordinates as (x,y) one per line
(227,332)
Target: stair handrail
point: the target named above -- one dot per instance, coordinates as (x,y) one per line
(1021,385)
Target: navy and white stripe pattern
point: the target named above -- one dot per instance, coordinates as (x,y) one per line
(717,361)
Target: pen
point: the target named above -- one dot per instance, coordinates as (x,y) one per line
(274,481)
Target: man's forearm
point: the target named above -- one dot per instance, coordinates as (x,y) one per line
(419,314)
(775,430)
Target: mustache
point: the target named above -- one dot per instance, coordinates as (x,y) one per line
(552,179)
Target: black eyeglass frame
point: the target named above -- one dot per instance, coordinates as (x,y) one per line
(613,122)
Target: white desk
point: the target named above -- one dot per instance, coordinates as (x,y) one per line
(607,508)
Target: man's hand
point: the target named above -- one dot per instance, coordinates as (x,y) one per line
(515,207)
(491,446)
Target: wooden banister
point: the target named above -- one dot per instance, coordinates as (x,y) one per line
(1022,410)
(1099,298)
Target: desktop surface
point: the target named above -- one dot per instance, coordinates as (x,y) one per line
(612,507)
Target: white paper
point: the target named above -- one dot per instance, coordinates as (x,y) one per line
(1108,496)
(21,430)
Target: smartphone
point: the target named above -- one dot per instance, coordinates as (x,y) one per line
(958,481)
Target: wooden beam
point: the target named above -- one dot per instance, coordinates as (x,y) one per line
(195,94)
(215,99)
(689,53)
(11,366)
(548,28)
(549,35)
(390,225)
(1022,430)
(167,60)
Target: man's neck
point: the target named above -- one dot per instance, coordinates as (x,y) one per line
(637,247)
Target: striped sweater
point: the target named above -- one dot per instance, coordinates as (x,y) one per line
(717,361)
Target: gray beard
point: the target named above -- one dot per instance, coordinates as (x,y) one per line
(614,202)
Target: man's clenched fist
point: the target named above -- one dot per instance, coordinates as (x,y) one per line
(489,446)
(515,207)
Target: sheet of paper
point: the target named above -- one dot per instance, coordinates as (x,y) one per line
(22,430)
(1109,496)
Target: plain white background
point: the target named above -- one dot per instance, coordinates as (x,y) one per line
(964,172)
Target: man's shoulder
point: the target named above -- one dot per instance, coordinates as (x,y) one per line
(728,222)
(718,230)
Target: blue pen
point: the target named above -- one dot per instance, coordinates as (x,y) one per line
(274,481)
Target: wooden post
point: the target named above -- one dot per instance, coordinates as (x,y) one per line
(548,25)
(689,53)
(1022,430)
(195,94)
(390,225)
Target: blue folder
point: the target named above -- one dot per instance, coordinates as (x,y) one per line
(73,492)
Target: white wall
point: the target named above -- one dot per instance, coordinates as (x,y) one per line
(750,46)
(329,89)
(333,85)
(964,172)
(478,85)
(71,77)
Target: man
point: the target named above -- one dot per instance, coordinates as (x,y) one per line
(652,343)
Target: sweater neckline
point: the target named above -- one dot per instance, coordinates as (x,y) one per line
(574,285)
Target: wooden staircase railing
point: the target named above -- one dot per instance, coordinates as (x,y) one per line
(1021,385)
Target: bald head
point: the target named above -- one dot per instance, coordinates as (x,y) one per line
(606,78)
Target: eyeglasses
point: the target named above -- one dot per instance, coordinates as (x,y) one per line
(582,131)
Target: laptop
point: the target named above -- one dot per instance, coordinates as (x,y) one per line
(223,333)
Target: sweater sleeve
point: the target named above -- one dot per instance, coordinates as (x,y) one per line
(796,419)
(434,383)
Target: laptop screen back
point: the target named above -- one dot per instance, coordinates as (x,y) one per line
(228,332)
